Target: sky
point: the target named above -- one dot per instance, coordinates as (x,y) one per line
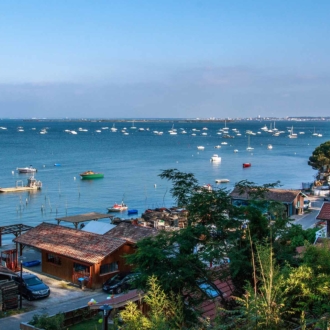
(162,59)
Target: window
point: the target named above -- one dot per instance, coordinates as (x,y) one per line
(54,259)
(209,289)
(80,268)
(108,268)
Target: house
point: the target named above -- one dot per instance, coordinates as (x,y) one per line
(79,256)
(324,215)
(293,200)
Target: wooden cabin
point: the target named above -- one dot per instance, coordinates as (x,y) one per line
(79,256)
(293,200)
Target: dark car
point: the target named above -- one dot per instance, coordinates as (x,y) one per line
(119,283)
(31,287)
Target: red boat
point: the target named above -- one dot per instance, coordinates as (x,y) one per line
(246,165)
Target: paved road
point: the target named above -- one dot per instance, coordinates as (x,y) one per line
(13,322)
(308,219)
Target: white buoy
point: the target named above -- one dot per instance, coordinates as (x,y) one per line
(12,172)
(155,185)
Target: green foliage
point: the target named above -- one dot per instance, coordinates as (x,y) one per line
(320,156)
(263,305)
(183,185)
(318,258)
(43,321)
(165,310)
(259,240)
(290,238)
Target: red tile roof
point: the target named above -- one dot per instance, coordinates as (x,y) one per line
(72,243)
(324,213)
(131,233)
(209,307)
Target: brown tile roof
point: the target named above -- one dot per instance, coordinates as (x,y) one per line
(75,244)
(324,213)
(131,233)
(277,195)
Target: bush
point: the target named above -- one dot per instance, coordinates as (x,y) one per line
(45,322)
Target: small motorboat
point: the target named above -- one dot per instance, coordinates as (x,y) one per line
(132,211)
(215,158)
(269,147)
(221,180)
(118,207)
(29,169)
(217,147)
(246,165)
(91,175)
(200,147)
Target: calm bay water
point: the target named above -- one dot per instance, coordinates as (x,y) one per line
(131,163)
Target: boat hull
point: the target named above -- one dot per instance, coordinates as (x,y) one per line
(18,189)
(115,209)
(27,170)
(92,176)
(245,165)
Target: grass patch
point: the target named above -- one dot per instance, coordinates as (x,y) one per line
(91,324)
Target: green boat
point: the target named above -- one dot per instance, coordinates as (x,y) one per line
(91,175)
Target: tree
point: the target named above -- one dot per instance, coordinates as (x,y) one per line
(320,157)
(166,311)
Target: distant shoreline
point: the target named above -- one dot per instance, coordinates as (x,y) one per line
(174,120)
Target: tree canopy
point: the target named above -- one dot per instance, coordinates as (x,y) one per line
(259,243)
(320,157)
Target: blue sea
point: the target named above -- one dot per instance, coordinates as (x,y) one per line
(132,163)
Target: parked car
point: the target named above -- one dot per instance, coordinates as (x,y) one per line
(119,283)
(31,287)
(307,204)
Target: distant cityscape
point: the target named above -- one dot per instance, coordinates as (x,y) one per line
(211,119)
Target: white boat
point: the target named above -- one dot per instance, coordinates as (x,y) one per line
(141,129)
(29,169)
(73,132)
(200,147)
(113,128)
(215,158)
(235,150)
(98,131)
(204,133)
(269,147)
(217,147)
(221,180)
(133,127)
(292,135)
(224,143)
(249,148)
